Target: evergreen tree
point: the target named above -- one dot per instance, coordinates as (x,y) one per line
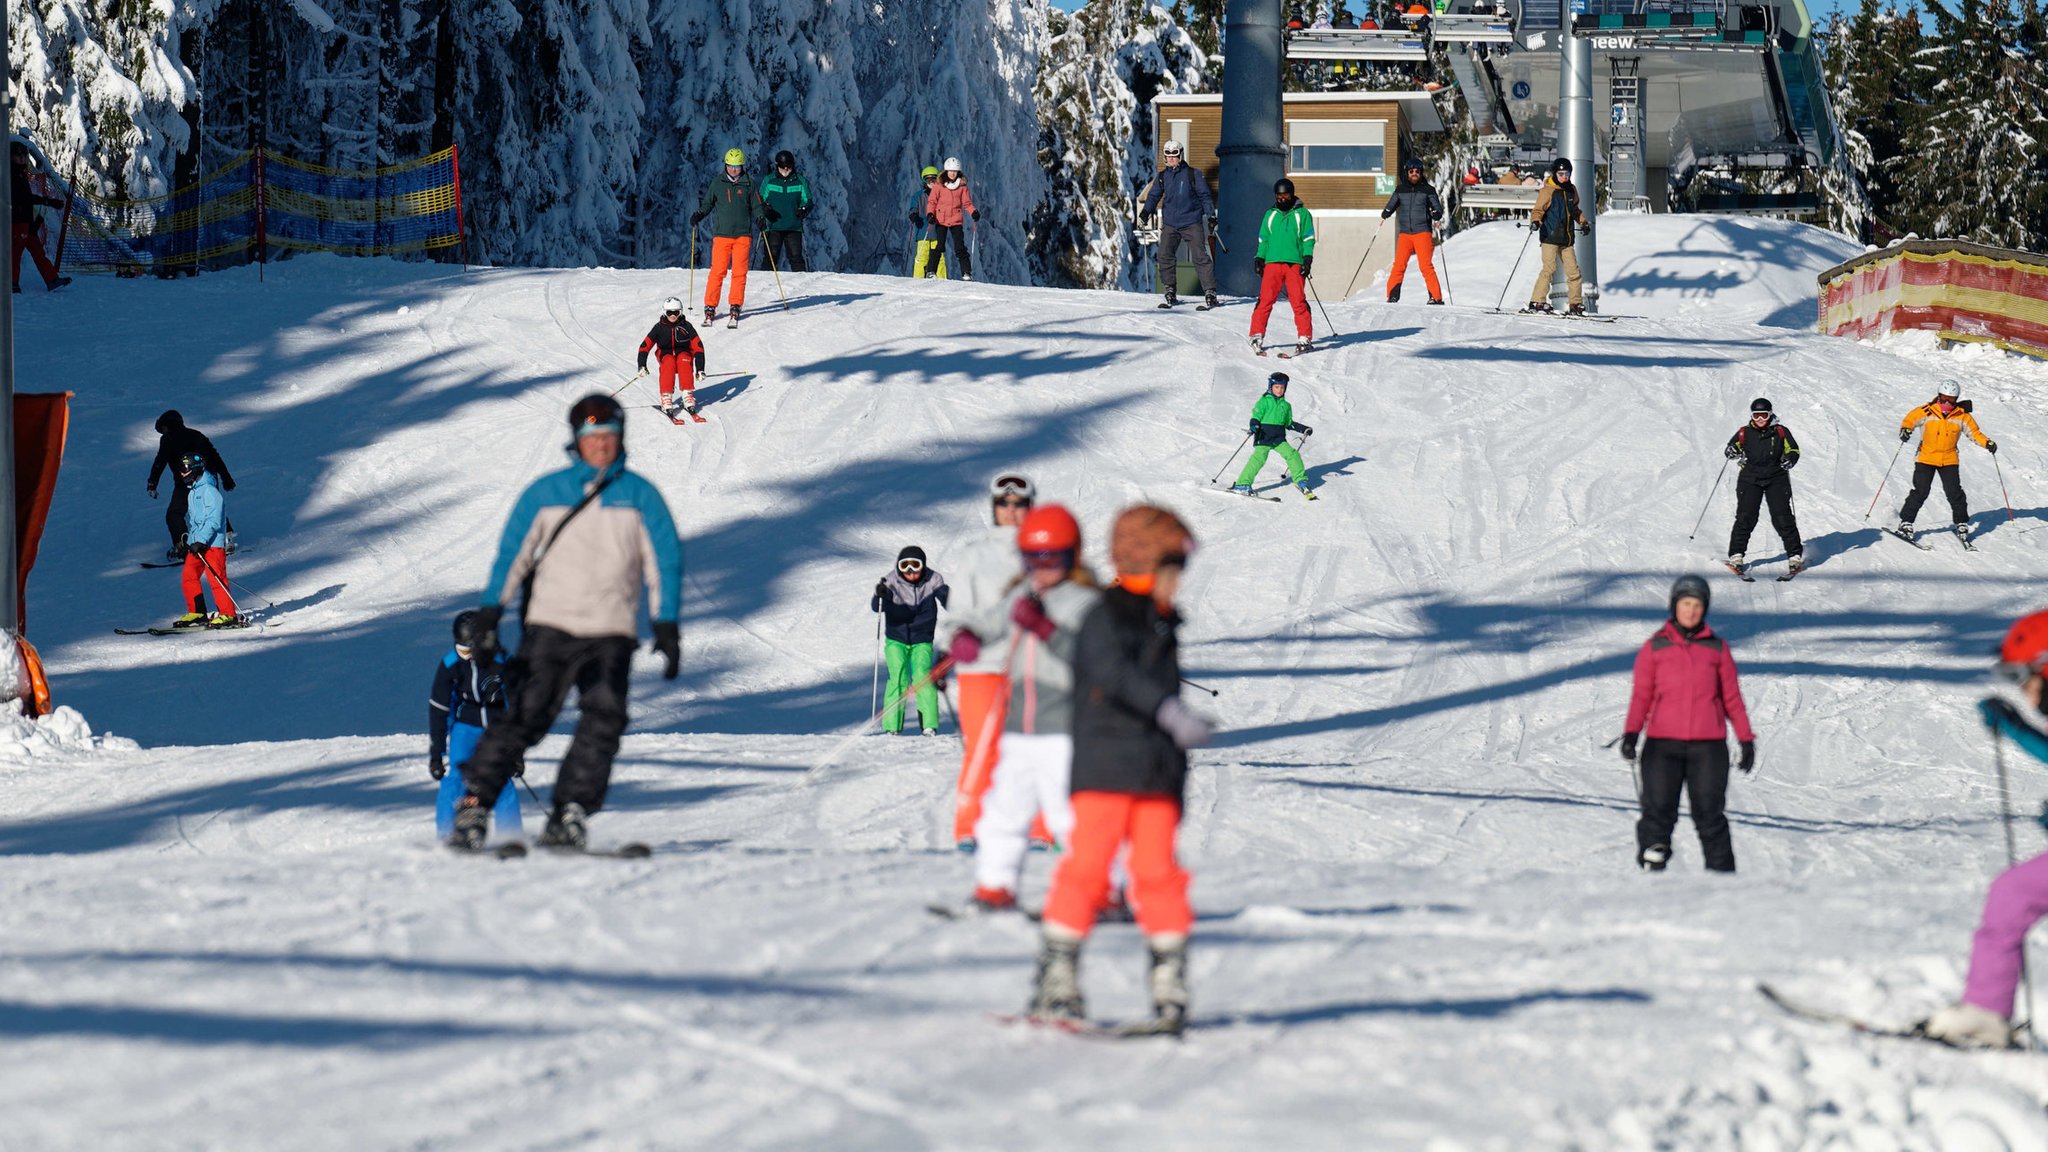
(1981,155)
(1867,64)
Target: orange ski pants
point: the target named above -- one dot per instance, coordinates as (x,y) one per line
(1420,246)
(1103,823)
(212,564)
(728,252)
(984,705)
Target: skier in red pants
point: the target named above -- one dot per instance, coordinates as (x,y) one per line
(681,353)
(25,200)
(1286,255)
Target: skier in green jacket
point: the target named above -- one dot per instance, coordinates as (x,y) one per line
(1287,245)
(734,205)
(789,197)
(1272,420)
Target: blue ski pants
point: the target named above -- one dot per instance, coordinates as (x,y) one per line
(462,740)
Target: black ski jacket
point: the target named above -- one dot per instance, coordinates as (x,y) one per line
(174,444)
(678,338)
(1418,206)
(25,200)
(1764,452)
(467,692)
(1126,663)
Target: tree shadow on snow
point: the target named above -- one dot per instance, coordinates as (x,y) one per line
(1473,1008)
(831,300)
(19,1021)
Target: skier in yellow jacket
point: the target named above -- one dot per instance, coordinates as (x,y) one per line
(1942,423)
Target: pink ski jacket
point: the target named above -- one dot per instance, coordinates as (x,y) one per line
(950,203)
(1686,689)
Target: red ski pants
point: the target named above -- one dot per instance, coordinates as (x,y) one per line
(25,240)
(1423,248)
(984,704)
(678,374)
(728,252)
(1103,823)
(213,564)
(1277,277)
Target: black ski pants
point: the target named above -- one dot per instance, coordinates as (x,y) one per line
(962,264)
(1749,496)
(550,662)
(1700,768)
(1196,237)
(1923,482)
(785,250)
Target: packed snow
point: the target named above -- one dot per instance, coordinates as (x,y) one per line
(225,923)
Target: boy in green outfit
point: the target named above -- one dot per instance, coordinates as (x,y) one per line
(909,600)
(1272,420)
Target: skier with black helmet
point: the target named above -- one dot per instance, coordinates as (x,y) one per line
(1768,453)
(468,696)
(1180,194)
(1272,419)
(679,352)
(204,548)
(1553,218)
(788,196)
(1418,208)
(23,205)
(1943,422)
(1686,690)
(175,442)
(577,548)
(1284,261)
(909,597)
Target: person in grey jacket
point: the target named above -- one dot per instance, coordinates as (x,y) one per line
(1418,208)
(1180,194)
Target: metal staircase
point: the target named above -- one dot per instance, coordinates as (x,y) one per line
(1625,190)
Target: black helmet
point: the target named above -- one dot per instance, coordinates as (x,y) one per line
(465,628)
(1279,378)
(191,463)
(1412,166)
(1283,187)
(1690,586)
(785,159)
(169,420)
(597,412)
(1564,164)
(1759,405)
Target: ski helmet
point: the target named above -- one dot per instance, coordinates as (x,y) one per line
(2025,649)
(1283,187)
(191,464)
(1174,148)
(169,420)
(785,159)
(596,412)
(734,158)
(1759,405)
(1951,389)
(1147,538)
(1012,484)
(1414,166)
(910,554)
(929,173)
(672,304)
(1049,529)
(1690,587)
(953,164)
(1564,165)
(1279,378)
(465,628)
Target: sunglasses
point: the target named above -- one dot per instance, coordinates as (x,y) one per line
(909,566)
(1047,561)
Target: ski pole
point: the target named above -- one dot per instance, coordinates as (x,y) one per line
(1233,456)
(2001,488)
(225,582)
(1198,687)
(692,293)
(1888,476)
(1217,236)
(1447,273)
(2012,858)
(973,244)
(1355,272)
(910,242)
(1318,298)
(939,669)
(1710,498)
(770,246)
(640,375)
(529,789)
(875,685)
(1502,302)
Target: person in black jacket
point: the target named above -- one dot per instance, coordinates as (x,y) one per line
(174,443)
(680,353)
(1419,209)
(1768,452)
(1180,194)
(908,599)
(468,696)
(24,204)
(1130,770)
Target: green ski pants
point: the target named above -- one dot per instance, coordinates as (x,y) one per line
(1258,461)
(908,664)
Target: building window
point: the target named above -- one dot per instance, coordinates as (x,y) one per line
(1336,147)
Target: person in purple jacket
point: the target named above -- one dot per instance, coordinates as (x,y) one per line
(1685,689)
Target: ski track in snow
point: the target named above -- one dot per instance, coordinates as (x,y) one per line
(1419,923)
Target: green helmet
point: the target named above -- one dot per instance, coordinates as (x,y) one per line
(734,158)
(929,173)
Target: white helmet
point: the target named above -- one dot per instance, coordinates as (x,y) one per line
(1011,484)
(953,164)
(1175,148)
(1951,389)
(672,304)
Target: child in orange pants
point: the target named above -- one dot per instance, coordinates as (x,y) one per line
(1130,766)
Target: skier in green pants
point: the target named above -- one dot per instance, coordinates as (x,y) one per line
(909,599)
(1272,420)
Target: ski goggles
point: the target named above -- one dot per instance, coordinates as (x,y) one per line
(909,567)
(1049,561)
(1012,486)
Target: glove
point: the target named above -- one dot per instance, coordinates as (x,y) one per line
(435,768)
(1535,225)
(697,218)
(1905,434)
(1628,746)
(917,217)
(1748,762)
(1259,265)
(1991,446)
(180,549)
(1733,452)
(966,647)
(1253,427)
(1308,264)
(643,369)
(228,485)
(1388,211)
(771,214)
(486,646)
(882,590)
(1789,460)
(519,766)
(932,219)
(152,491)
(975,215)
(1584,228)
(803,210)
(668,641)
(1187,729)
(1999,712)
(1304,429)
(1029,614)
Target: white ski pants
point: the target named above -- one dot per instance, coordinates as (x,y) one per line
(1032,776)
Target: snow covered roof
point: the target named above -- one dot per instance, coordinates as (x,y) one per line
(1420,107)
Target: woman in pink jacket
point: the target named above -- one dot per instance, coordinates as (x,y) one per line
(1685,688)
(947,208)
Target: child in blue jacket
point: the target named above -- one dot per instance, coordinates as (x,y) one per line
(468,696)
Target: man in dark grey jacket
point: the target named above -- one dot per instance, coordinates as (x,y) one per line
(1180,194)
(1417,208)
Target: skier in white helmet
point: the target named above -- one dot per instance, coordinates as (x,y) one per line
(681,358)
(947,208)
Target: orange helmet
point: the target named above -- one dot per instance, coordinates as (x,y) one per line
(1049,529)
(2025,648)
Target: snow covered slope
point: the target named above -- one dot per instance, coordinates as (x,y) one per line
(1420,922)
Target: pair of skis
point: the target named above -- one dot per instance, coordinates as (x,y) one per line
(516,850)
(1742,572)
(679,416)
(1204,306)
(240,623)
(1922,545)
(1586,317)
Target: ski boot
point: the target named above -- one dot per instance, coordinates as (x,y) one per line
(1576,310)
(967,277)
(1654,858)
(732,317)
(223,620)
(1258,345)
(931,731)
(1539,306)
(690,402)
(1056,990)
(190,620)
(1795,562)
(1904,531)
(669,407)
(1303,346)
(1241,489)
(1168,981)
(1962,528)
(230,549)
(710,313)
(1967,1026)
(1394,294)
(1737,563)
(472,824)
(1170,301)
(568,827)
(992,900)
(1301,486)
(1209,300)
(1436,300)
